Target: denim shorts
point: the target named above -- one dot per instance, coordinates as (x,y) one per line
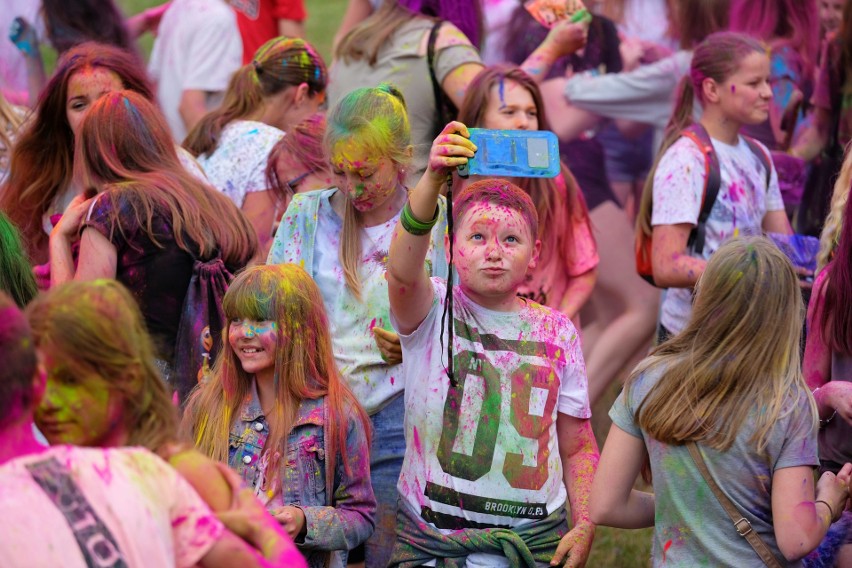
(386,455)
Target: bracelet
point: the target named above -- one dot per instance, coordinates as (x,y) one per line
(830,510)
(824,423)
(413,225)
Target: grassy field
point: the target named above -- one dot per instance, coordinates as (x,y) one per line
(613,548)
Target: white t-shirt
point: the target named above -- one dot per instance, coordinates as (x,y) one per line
(78,507)
(351,322)
(198,47)
(739,208)
(486,453)
(238,165)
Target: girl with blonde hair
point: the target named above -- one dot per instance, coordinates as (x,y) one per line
(277,411)
(730,383)
(341,236)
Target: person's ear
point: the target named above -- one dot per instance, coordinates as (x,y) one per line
(409,151)
(535,256)
(710,90)
(301,94)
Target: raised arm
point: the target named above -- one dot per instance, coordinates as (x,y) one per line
(409,288)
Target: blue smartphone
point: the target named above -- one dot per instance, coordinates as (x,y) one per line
(513,153)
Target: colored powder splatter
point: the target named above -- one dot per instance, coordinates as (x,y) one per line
(733,88)
(666,548)
(502,92)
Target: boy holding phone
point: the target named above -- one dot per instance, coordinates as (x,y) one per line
(491,454)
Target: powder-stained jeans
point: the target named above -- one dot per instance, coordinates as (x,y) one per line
(386,456)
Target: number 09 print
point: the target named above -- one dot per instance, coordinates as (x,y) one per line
(533,395)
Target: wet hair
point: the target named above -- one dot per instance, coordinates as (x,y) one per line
(42,159)
(544,193)
(498,192)
(376,119)
(19,362)
(304,142)
(304,369)
(279,63)
(16,274)
(126,149)
(95,328)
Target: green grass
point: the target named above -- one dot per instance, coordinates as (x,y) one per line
(613,548)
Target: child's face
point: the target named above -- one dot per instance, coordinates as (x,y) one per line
(494,249)
(254,343)
(510,107)
(745,95)
(80,411)
(367,181)
(831,14)
(84,88)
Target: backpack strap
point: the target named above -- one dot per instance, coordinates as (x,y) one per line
(762,155)
(712,183)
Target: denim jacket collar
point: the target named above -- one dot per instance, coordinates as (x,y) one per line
(310,410)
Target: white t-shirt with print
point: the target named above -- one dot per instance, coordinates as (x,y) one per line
(94,507)
(238,165)
(198,47)
(739,208)
(351,322)
(486,453)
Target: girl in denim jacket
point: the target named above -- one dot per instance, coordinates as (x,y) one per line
(276,410)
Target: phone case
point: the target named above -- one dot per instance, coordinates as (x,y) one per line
(513,153)
(549,12)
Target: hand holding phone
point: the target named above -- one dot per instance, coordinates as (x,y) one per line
(513,153)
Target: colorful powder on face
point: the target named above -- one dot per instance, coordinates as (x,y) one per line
(733,88)
(501,86)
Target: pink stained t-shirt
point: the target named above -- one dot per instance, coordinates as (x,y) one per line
(576,255)
(77,507)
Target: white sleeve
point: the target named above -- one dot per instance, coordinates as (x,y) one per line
(774,202)
(678,185)
(644,94)
(214,51)
(574,386)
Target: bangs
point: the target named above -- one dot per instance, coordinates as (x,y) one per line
(252,298)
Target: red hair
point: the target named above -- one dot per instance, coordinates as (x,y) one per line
(836,316)
(43,156)
(499,192)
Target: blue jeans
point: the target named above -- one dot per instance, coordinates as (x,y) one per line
(386,454)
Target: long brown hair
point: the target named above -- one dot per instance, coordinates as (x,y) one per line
(278,64)
(717,58)
(542,190)
(304,368)
(738,356)
(96,328)
(125,147)
(376,118)
(43,156)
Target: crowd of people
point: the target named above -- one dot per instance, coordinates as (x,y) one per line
(252,313)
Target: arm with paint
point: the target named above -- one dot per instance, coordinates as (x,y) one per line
(614,502)
(564,38)
(409,288)
(578,292)
(673,266)
(578,452)
(98,256)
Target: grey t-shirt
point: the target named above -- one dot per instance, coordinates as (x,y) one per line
(691,528)
(402,62)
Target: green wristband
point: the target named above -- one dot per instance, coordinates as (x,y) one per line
(413,225)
